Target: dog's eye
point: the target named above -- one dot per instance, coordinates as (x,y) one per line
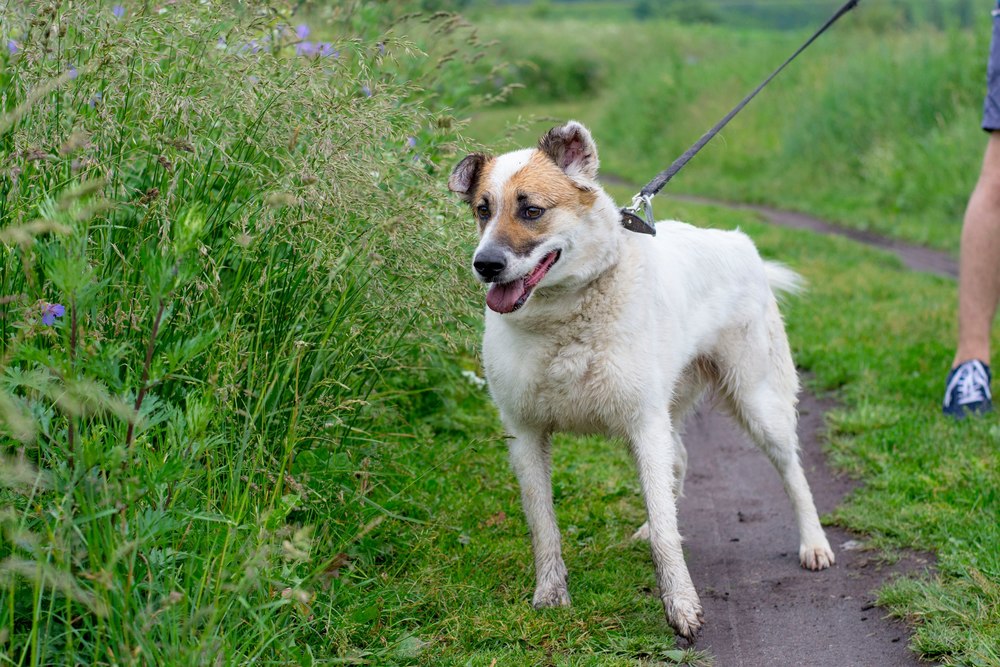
(533,212)
(483,212)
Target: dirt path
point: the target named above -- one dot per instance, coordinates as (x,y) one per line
(917,258)
(761,608)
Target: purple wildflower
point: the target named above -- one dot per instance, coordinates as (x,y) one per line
(411,142)
(325,49)
(305,49)
(302,31)
(381,48)
(118,11)
(366,90)
(72,72)
(221,44)
(12,46)
(50,311)
(98,96)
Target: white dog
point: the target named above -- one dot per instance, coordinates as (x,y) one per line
(592,328)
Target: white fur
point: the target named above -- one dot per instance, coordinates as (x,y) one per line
(623,337)
(509,164)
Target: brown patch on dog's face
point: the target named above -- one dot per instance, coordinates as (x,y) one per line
(539,184)
(549,185)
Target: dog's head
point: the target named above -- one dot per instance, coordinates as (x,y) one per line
(536,209)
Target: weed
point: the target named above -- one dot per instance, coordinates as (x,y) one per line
(221,295)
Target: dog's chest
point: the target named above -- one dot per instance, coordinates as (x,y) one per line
(582,378)
(572,386)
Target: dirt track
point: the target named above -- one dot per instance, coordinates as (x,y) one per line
(917,258)
(761,608)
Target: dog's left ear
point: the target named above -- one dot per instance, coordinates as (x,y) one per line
(465,176)
(573,149)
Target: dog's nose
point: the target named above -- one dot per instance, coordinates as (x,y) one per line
(489,263)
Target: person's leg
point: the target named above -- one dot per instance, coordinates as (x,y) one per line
(967,388)
(979,262)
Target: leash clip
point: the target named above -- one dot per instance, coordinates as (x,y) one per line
(633,221)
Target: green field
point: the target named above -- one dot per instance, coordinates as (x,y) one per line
(238,424)
(874,130)
(770,14)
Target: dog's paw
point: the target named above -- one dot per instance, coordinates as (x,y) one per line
(684,616)
(642,533)
(551,596)
(816,556)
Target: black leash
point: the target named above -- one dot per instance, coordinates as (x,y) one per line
(631,219)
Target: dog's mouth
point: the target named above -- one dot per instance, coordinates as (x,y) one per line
(508,297)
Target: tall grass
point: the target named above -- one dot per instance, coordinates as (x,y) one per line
(876,131)
(221,298)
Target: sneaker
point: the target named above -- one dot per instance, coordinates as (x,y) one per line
(967,390)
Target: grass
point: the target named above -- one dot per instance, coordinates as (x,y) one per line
(875,130)
(772,14)
(460,591)
(463,586)
(213,333)
(248,437)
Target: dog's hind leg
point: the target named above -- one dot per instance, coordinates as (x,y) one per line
(654,454)
(770,421)
(760,385)
(530,456)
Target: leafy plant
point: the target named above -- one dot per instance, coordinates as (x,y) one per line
(223,279)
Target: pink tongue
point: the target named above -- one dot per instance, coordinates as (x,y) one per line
(502,297)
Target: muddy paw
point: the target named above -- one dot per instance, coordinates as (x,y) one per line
(816,557)
(685,617)
(553,596)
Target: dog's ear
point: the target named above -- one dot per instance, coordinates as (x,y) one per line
(572,148)
(465,176)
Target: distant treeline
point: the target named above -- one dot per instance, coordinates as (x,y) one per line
(777,14)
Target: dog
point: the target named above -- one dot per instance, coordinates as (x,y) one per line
(592,328)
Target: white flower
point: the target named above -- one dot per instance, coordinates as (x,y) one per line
(474,379)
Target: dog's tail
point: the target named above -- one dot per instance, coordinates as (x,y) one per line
(783,280)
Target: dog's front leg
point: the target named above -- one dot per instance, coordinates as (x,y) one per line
(652,447)
(531,458)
